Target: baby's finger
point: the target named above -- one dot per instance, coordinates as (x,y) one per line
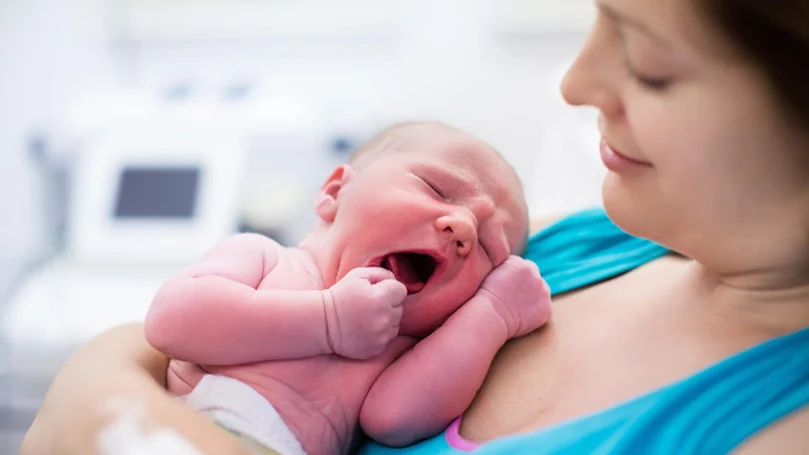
(533,265)
(513,262)
(398,310)
(546,288)
(374,275)
(395,290)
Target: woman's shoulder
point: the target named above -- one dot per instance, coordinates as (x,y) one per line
(591,224)
(539,223)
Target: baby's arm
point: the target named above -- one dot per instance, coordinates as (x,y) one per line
(212,313)
(432,384)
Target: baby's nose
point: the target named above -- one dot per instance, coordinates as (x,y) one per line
(462,230)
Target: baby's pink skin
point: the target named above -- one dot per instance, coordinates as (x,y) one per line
(325,334)
(221,317)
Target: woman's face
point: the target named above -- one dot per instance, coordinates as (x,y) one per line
(700,157)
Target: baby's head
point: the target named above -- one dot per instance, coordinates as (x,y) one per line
(436,206)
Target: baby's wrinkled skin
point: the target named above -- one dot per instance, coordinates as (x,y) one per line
(387,315)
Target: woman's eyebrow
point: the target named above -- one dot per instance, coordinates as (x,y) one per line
(629,21)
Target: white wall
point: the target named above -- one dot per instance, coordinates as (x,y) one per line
(466,62)
(447,60)
(49,51)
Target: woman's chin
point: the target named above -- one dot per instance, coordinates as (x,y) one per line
(629,208)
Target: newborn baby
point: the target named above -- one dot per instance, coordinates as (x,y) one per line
(385,318)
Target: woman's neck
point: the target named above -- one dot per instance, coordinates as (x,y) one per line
(775,300)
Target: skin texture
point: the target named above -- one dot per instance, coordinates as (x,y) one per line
(453,187)
(736,212)
(282,319)
(723,181)
(741,169)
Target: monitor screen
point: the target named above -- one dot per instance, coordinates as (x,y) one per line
(157,192)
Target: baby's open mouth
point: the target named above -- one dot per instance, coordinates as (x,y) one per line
(411,269)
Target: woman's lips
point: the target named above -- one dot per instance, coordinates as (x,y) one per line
(616,162)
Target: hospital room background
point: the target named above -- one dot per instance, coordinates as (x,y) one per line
(136,133)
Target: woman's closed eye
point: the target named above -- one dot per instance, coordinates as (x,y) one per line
(647,82)
(635,44)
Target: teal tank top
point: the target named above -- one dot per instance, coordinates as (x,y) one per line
(712,411)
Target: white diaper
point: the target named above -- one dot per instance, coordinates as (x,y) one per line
(236,406)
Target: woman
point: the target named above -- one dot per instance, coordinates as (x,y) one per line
(704,116)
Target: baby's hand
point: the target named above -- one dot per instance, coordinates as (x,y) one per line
(363,311)
(519,295)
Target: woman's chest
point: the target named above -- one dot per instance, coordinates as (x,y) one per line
(603,347)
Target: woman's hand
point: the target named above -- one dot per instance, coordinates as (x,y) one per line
(118,380)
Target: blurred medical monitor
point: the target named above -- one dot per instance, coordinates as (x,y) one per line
(153,196)
(157,192)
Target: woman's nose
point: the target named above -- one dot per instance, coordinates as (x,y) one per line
(462,229)
(591,79)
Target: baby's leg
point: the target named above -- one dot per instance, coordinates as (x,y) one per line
(182,377)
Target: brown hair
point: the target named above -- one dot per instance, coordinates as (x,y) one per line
(774,34)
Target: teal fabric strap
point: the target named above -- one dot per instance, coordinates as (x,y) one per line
(711,412)
(586,248)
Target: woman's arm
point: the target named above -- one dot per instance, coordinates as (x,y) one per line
(117,381)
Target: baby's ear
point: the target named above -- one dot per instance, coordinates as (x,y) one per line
(327,202)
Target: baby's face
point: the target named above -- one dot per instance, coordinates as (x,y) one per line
(441,214)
